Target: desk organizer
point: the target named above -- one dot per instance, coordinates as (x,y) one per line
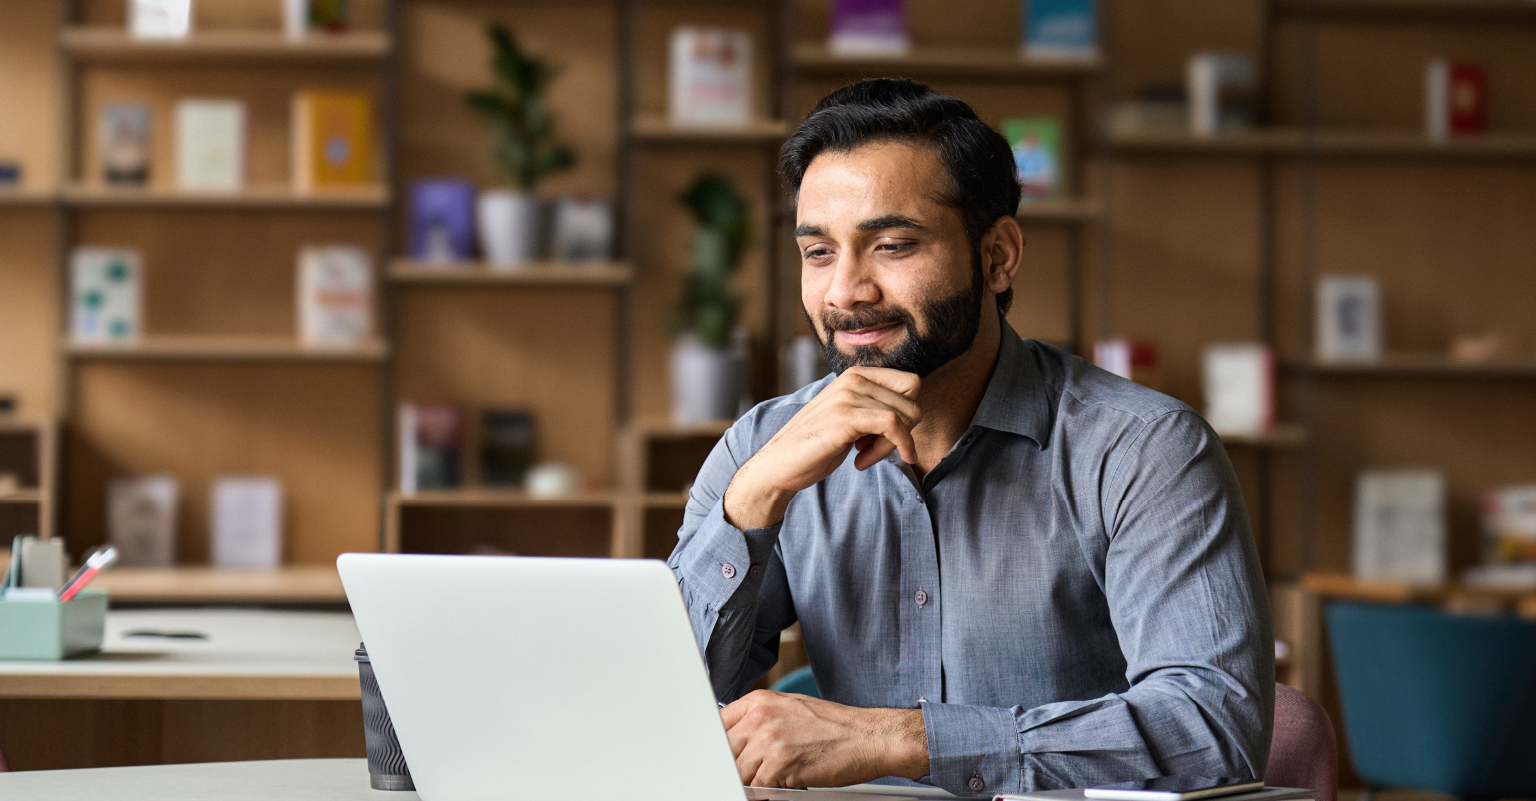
(49,629)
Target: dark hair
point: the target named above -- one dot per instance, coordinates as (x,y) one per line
(983,185)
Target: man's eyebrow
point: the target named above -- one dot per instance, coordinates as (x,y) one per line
(809,230)
(890,221)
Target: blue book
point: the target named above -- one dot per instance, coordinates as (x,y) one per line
(1061,29)
(442,220)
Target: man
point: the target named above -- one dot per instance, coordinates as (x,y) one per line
(1013,570)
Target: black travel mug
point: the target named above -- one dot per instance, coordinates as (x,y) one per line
(386,764)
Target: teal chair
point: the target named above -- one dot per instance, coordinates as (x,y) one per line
(798,681)
(1435,701)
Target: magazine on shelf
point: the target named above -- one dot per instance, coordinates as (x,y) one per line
(105,295)
(210,145)
(1060,29)
(711,76)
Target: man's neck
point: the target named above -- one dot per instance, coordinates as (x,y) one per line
(950,395)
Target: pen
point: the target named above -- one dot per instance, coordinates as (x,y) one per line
(98,561)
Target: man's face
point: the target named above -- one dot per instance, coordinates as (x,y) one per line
(887,275)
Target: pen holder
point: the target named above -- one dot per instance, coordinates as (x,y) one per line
(50,629)
(386,763)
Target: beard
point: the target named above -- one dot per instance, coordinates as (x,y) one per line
(950,326)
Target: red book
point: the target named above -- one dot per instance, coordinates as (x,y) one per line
(1456,98)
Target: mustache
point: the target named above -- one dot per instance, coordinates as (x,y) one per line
(838,320)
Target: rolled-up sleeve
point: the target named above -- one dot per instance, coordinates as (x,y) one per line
(1186,596)
(732,580)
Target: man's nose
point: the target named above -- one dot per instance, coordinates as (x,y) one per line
(853,284)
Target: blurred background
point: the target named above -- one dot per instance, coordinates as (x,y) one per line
(281,279)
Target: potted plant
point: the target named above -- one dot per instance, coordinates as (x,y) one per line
(708,363)
(522,128)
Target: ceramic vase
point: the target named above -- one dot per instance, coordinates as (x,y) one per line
(508,223)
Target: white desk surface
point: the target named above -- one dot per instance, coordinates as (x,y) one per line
(276,780)
(249,655)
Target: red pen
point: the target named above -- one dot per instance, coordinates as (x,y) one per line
(95,563)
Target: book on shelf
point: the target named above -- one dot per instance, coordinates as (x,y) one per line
(1399,526)
(1348,318)
(1222,90)
(141,519)
(869,28)
(1455,98)
(105,294)
(302,17)
(711,76)
(442,220)
(583,229)
(1036,143)
(1239,383)
(335,297)
(431,437)
(10,174)
(1129,359)
(333,140)
(159,19)
(1060,29)
(210,145)
(124,139)
(247,521)
(506,447)
(1509,524)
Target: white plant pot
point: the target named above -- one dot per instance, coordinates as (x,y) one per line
(706,382)
(508,224)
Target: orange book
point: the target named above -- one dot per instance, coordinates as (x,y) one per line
(332,140)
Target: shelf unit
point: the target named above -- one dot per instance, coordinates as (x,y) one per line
(218,383)
(29,472)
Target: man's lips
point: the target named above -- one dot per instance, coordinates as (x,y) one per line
(868,336)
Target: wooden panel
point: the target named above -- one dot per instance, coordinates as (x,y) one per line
(218,272)
(444,54)
(548,350)
(546,531)
(316,427)
(1039,289)
(29,322)
(656,24)
(226,14)
(29,92)
(1150,41)
(267,93)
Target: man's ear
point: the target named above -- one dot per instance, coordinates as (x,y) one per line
(1002,251)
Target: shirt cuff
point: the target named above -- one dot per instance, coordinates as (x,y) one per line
(729,559)
(972,750)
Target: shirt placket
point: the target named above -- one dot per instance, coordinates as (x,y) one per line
(921,651)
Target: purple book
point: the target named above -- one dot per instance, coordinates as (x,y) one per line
(869,27)
(442,221)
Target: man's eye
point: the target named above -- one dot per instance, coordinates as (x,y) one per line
(897,247)
(817,253)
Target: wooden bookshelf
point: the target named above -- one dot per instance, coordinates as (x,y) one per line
(1284,435)
(29,456)
(1418,366)
(1067,210)
(491,498)
(657,128)
(976,62)
(1334,144)
(537,274)
(226,348)
(252,197)
(1411,11)
(26,198)
(115,45)
(587,523)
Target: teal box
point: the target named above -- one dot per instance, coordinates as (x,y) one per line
(51,630)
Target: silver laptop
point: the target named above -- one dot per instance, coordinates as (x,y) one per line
(534,678)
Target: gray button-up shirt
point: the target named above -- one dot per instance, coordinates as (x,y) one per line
(1072,595)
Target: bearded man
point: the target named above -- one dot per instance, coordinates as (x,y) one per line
(1012,570)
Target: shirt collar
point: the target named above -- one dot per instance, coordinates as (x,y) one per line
(1017,399)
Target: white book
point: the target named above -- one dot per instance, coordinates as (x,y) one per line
(247,524)
(711,76)
(1400,529)
(210,145)
(159,19)
(1348,318)
(335,297)
(1239,382)
(105,294)
(1221,88)
(141,519)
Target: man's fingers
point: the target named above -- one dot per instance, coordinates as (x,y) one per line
(885,396)
(872,448)
(733,711)
(898,381)
(890,426)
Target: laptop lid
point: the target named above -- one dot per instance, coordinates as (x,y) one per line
(521,677)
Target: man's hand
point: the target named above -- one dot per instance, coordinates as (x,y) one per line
(870,408)
(784,740)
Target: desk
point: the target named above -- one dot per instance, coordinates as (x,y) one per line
(290,584)
(264,684)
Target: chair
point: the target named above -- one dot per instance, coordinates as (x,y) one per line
(1435,701)
(1303,751)
(799,681)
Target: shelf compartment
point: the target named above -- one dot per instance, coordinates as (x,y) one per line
(292,584)
(536,274)
(489,521)
(1410,11)
(1284,435)
(657,128)
(959,62)
(1417,366)
(489,498)
(254,197)
(225,348)
(25,495)
(1329,143)
(115,45)
(15,197)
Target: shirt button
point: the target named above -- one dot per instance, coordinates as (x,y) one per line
(755,571)
(976,784)
(919,499)
(922,598)
(728,570)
